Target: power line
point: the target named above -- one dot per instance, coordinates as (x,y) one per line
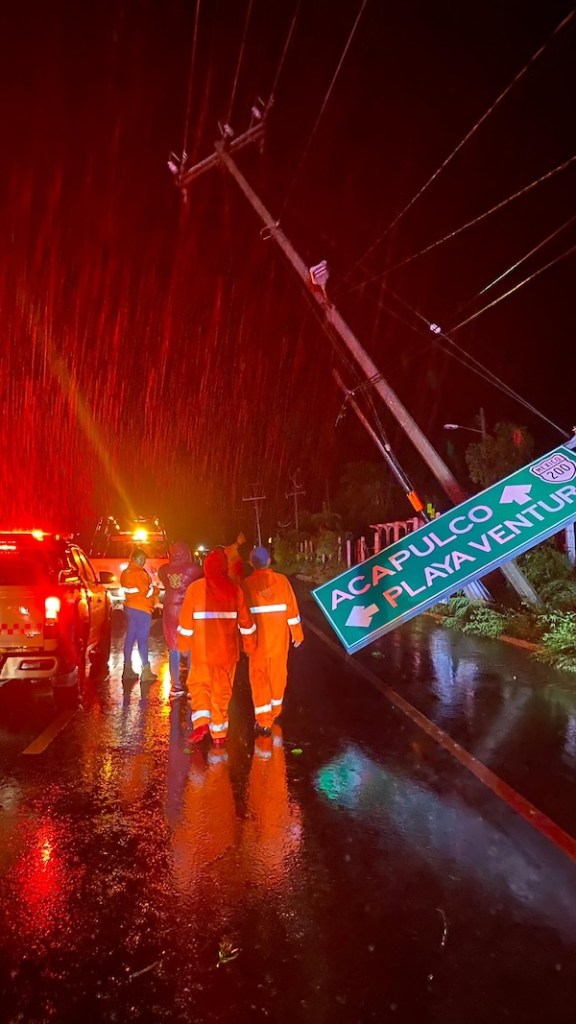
(520,74)
(285,50)
(511,291)
(514,266)
(190,76)
(436,335)
(470,223)
(323,107)
(240,56)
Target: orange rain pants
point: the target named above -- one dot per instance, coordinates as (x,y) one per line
(272,603)
(213,619)
(210,689)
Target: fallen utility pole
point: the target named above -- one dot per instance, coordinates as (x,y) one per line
(385,450)
(431,457)
(475,591)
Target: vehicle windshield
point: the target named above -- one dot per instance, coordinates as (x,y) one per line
(121,547)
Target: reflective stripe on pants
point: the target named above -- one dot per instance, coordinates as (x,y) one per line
(210,688)
(268,683)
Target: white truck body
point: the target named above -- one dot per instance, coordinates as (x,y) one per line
(116,557)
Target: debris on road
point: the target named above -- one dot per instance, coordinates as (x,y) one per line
(444,927)
(145,970)
(226,952)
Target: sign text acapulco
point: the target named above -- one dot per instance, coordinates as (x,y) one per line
(443,556)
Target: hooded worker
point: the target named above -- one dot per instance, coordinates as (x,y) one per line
(273,604)
(213,615)
(235,562)
(176,576)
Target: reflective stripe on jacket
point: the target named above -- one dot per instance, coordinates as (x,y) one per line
(210,627)
(138,589)
(272,602)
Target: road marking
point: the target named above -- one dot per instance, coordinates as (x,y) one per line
(38,746)
(536,818)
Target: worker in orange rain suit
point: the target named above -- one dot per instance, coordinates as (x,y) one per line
(272,603)
(235,563)
(139,600)
(213,612)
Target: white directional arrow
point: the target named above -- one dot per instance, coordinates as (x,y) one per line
(519,493)
(361,616)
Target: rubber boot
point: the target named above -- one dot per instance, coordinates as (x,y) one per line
(147,675)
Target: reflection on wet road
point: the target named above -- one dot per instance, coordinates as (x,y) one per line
(344,869)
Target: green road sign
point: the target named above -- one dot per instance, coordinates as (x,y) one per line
(456,548)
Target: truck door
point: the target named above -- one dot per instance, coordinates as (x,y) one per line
(95,596)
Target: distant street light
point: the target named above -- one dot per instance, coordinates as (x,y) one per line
(459,426)
(475,430)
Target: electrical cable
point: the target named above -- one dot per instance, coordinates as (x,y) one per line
(473,364)
(285,50)
(511,291)
(455,351)
(322,108)
(470,223)
(514,266)
(517,77)
(239,64)
(190,76)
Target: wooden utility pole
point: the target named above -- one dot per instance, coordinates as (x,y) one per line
(295,493)
(223,155)
(256,500)
(475,591)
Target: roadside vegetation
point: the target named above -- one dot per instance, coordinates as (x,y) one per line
(551,625)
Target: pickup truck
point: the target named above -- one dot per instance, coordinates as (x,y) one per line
(55,612)
(113,557)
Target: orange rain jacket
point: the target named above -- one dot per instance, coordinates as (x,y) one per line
(273,604)
(213,613)
(138,588)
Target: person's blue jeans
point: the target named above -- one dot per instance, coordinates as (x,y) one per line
(174,656)
(137,632)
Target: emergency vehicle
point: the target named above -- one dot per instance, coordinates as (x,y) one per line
(113,544)
(54,612)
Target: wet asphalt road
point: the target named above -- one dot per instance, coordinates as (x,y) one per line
(348,869)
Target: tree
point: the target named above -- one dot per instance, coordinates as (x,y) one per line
(326,519)
(364,495)
(499,454)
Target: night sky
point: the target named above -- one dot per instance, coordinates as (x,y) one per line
(163,359)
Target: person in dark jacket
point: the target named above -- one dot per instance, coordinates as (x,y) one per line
(176,576)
